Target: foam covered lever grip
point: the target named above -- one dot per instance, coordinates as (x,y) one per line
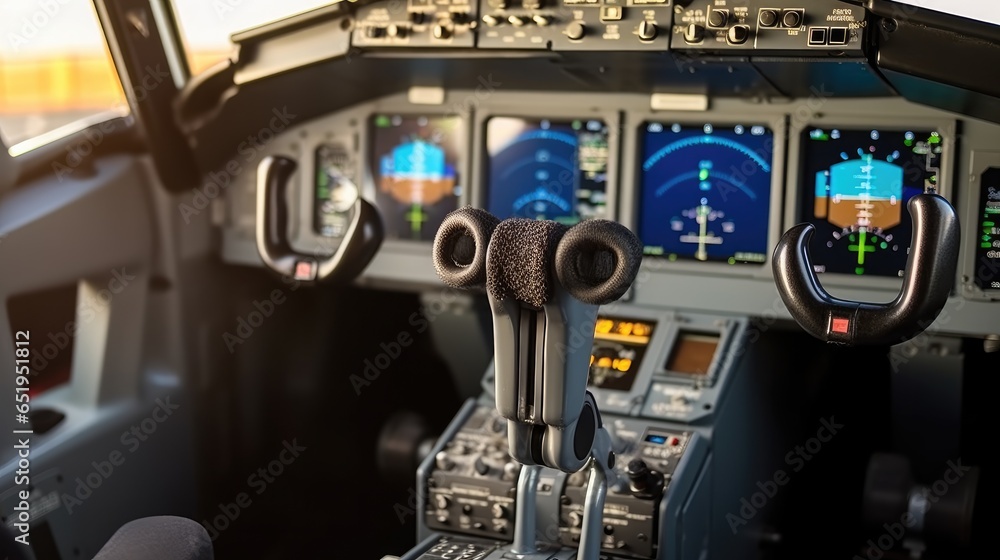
(158,538)
(597,260)
(460,247)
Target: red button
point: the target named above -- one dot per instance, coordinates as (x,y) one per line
(305,270)
(841,325)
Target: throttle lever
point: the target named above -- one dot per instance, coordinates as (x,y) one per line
(927,282)
(361,241)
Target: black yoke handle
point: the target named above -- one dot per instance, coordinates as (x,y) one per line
(927,282)
(357,248)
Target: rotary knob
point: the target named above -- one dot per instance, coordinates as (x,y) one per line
(397,31)
(694,33)
(575,519)
(643,482)
(498,511)
(541,19)
(576,30)
(443,461)
(491,20)
(518,21)
(511,471)
(647,30)
(441,502)
(441,31)
(738,34)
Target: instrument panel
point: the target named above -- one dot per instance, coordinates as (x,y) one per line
(708,193)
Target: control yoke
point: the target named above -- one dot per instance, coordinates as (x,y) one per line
(357,247)
(928,278)
(544,282)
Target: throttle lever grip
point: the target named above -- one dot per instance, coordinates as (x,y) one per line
(361,241)
(927,282)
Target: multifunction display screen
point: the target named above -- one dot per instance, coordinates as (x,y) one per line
(547,169)
(988,250)
(415,161)
(619,345)
(855,187)
(706,191)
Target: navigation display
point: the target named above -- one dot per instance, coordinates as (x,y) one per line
(855,187)
(706,191)
(415,163)
(988,251)
(619,345)
(547,169)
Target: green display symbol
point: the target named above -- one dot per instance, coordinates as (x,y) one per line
(416,216)
(861,248)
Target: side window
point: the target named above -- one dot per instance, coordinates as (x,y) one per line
(55,68)
(207,24)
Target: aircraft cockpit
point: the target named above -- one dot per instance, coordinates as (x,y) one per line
(499,279)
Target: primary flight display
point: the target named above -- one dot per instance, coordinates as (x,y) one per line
(706,191)
(856,184)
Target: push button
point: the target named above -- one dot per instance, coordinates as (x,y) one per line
(838,36)
(718,18)
(817,36)
(611,13)
(768,18)
(792,19)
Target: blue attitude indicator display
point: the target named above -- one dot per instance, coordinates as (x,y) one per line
(856,184)
(706,192)
(414,163)
(547,169)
